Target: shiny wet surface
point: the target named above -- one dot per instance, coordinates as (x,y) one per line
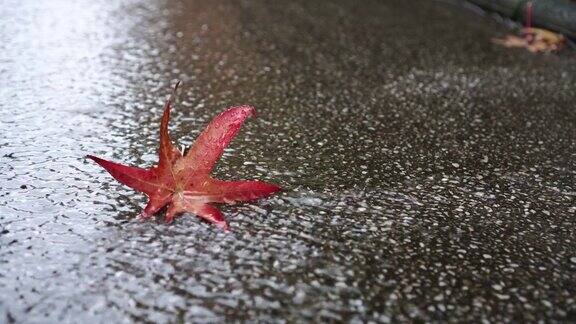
(429,174)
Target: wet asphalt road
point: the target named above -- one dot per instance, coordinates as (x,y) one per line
(429,175)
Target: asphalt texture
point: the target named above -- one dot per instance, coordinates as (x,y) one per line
(428,174)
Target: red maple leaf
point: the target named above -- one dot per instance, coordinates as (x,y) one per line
(183,183)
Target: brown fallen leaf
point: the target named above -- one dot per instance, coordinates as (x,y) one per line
(536,40)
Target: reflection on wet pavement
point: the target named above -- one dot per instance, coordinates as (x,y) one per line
(429,173)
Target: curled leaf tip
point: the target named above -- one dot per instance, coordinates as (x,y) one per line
(249,111)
